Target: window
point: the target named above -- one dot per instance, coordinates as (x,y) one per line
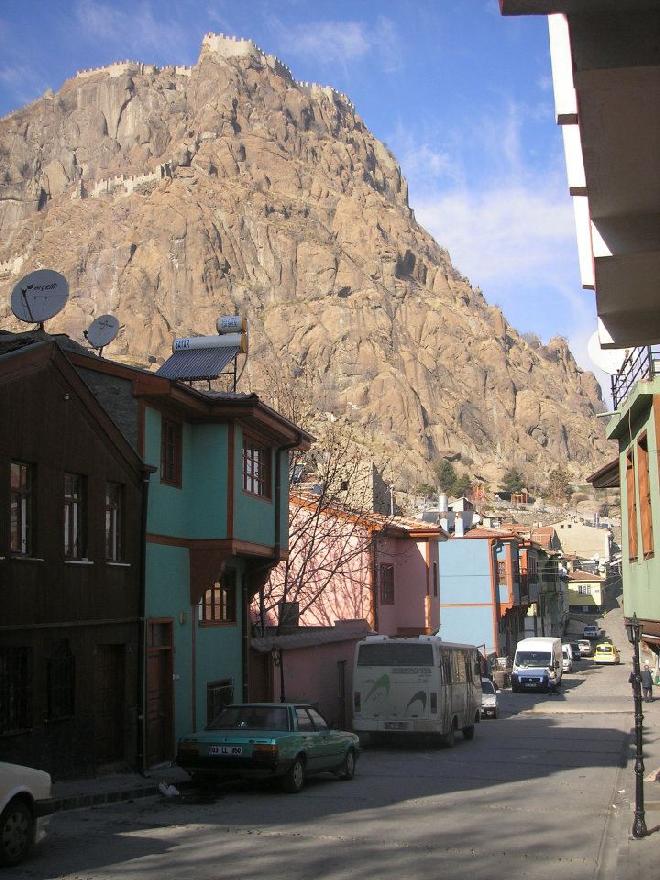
(61,682)
(218,695)
(584,590)
(445,662)
(256,467)
(458,666)
(170,452)
(501,571)
(631,505)
(75,516)
(15,689)
(395,654)
(114,521)
(21,508)
(319,721)
(387,584)
(218,604)
(303,719)
(435,578)
(644,485)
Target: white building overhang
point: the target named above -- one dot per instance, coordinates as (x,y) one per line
(606,80)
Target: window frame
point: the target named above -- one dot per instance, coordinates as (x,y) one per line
(171,451)
(26,509)
(216,609)
(114,530)
(387,585)
(257,467)
(631,507)
(644,487)
(435,575)
(75,517)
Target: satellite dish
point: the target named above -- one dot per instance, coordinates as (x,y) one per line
(102,331)
(609,360)
(39,296)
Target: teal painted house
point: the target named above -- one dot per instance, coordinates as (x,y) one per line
(216,523)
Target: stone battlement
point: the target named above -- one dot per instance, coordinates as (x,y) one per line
(118,68)
(127,183)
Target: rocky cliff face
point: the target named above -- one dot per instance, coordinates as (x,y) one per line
(169,196)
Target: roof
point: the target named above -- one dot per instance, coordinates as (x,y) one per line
(606,477)
(200,405)
(310,637)
(585,576)
(401,526)
(541,535)
(496,534)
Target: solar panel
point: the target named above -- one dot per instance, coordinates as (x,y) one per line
(197,363)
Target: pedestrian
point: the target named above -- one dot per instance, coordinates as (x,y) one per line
(647,684)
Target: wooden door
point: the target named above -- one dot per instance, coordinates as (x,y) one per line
(160,695)
(109,703)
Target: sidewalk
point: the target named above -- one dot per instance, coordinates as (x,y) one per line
(640,858)
(71,794)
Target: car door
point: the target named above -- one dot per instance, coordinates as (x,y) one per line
(309,737)
(331,742)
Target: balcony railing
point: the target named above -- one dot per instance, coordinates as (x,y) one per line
(642,363)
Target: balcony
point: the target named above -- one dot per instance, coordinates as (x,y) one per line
(640,365)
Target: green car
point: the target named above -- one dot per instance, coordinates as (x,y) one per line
(286,741)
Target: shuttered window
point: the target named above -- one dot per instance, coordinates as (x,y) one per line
(644,484)
(631,503)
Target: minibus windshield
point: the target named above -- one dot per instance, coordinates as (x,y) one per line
(532,658)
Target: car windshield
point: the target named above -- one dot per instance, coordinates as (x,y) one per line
(251,718)
(565,654)
(487,687)
(532,658)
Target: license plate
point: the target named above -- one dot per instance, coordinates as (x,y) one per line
(225,750)
(395,725)
(531,684)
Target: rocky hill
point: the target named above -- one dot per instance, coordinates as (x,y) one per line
(171,195)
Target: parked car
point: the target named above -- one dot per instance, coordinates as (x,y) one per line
(576,651)
(606,653)
(586,647)
(284,741)
(488,698)
(566,658)
(591,631)
(25,807)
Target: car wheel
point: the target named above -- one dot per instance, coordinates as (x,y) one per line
(295,777)
(16,832)
(468,732)
(348,767)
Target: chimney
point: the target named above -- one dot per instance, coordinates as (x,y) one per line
(459,531)
(443,502)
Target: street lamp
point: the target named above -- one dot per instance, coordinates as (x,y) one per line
(634,630)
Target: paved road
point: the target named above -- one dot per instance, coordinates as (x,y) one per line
(531,797)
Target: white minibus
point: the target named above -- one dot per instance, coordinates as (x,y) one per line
(416,685)
(537,665)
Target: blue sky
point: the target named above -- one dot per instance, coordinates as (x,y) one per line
(461,95)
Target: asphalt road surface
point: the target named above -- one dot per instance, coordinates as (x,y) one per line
(536,795)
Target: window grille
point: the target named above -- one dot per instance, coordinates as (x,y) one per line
(387,584)
(170,452)
(218,604)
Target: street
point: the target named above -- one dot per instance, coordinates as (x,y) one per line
(535,795)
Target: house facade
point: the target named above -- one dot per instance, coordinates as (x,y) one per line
(585,592)
(71,555)
(481,602)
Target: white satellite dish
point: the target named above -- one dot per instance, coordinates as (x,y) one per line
(609,360)
(102,331)
(39,296)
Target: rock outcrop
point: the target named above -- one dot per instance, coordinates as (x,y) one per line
(171,195)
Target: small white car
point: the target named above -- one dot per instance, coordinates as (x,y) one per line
(591,631)
(25,808)
(586,648)
(488,699)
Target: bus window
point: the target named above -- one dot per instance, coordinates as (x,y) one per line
(446,666)
(458,666)
(395,654)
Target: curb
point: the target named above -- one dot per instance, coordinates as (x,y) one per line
(79,801)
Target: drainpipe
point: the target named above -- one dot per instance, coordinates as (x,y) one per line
(374,579)
(141,756)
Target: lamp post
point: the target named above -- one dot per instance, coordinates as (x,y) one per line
(634,629)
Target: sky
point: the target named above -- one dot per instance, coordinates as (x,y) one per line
(460,94)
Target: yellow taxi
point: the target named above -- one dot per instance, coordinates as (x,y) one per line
(606,653)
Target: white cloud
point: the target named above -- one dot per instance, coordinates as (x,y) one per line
(136,30)
(340,42)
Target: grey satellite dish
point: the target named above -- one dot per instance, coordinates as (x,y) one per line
(102,331)
(39,296)
(609,360)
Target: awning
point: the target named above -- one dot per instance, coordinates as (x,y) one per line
(606,477)
(197,363)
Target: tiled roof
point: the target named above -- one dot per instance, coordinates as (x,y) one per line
(309,637)
(489,533)
(585,576)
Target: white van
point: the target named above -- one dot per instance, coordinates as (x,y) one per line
(421,685)
(566,658)
(537,665)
